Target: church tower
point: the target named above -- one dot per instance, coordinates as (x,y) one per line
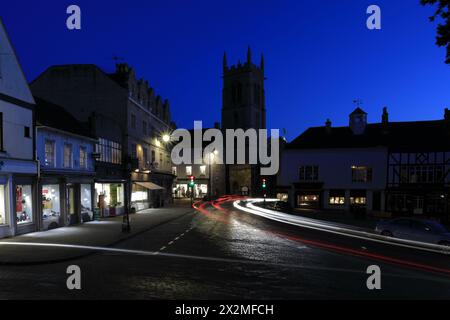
(243,95)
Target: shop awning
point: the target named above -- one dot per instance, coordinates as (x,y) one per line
(150,185)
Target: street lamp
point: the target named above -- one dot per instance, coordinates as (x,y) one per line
(166,138)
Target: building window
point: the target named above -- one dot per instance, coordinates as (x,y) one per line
(86,202)
(358,197)
(133,121)
(3,215)
(24,204)
(83,158)
(1,131)
(68,156)
(144,127)
(361,174)
(49,153)
(109,151)
(153,156)
(202,170)
(422,174)
(358,200)
(51,206)
(337,197)
(26,132)
(139,193)
(109,198)
(308,200)
(174,171)
(309,173)
(189,171)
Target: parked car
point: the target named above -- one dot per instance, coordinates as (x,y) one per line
(51,220)
(422,230)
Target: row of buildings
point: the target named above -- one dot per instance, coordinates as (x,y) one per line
(78,143)
(385,167)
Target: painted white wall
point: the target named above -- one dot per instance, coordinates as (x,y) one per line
(335,166)
(15,144)
(60,139)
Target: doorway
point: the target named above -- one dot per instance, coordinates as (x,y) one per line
(72,207)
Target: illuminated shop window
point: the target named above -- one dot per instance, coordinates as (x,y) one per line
(3,216)
(51,210)
(24,204)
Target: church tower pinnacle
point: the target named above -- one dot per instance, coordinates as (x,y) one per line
(243,105)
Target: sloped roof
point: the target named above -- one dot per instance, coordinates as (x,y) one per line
(14,84)
(51,115)
(358,111)
(426,135)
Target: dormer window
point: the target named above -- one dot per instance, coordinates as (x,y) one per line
(358,121)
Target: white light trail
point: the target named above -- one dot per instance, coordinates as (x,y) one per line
(335,228)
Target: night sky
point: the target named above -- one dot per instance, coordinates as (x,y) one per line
(319,55)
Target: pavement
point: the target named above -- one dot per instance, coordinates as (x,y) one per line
(31,248)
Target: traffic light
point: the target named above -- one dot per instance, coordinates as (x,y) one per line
(192,182)
(264,185)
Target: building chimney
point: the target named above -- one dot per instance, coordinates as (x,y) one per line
(385,121)
(328,126)
(385,116)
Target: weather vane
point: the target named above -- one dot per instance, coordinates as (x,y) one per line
(358,102)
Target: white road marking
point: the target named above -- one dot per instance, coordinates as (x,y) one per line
(213,259)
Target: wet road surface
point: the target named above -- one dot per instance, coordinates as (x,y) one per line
(221,253)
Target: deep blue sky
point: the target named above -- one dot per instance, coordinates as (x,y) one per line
(319,54)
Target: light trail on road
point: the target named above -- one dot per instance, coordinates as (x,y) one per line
(336,228)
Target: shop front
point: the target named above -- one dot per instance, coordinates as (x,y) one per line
(429,202)
(110,198)
(65,203)
(146,195)
(51,207)
(17,197)
(182,190)
(140,196)
(24,204)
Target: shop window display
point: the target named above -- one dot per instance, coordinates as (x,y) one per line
(51,206)
(86,203)
(110,198)
(3,217)
(24,204)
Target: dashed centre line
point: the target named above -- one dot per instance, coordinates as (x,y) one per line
(175,239)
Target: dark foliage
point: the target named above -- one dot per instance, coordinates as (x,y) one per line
(443,29)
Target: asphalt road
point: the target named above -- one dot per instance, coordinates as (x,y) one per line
(221,253)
